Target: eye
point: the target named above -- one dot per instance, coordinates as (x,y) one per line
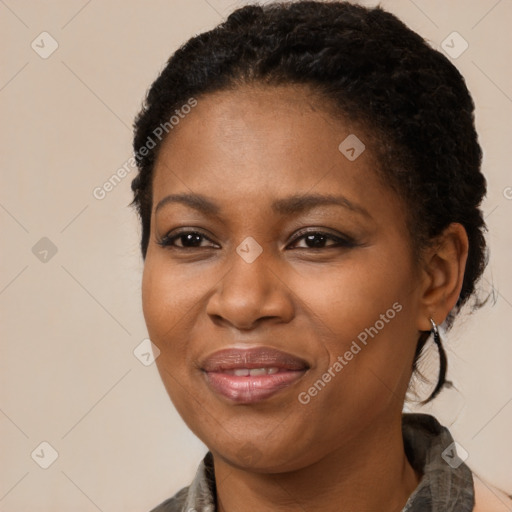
(187,239)
(318,239)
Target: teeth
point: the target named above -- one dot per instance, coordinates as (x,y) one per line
(258,371)
(253,372)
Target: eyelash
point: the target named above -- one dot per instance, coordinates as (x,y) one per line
(168,241)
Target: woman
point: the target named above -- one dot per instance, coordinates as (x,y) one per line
(309,188)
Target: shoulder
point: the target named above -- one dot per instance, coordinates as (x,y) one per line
(489,498)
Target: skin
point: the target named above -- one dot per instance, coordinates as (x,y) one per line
(244,149)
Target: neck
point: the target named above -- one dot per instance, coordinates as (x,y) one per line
(371,472)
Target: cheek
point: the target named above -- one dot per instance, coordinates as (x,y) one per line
(364,309)
(168,300)
(352,295)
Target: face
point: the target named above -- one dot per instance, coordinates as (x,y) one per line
(279,282)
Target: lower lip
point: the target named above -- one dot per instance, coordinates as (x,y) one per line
(251,389)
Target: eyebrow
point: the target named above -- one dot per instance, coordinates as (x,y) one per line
(285,206)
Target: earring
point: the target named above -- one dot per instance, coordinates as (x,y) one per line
(435,332)
(442,360)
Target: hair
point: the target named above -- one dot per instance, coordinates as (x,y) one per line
(371,69)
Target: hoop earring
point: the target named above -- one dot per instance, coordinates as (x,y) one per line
(435,332)
(442,360)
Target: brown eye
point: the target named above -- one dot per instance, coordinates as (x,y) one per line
(319,239)
(186,240)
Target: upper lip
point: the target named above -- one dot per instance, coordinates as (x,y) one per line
(259,357)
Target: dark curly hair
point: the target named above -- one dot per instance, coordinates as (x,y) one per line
(366,65)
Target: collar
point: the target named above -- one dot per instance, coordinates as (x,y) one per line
(446,484)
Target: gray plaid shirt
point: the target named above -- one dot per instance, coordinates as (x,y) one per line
(446,485)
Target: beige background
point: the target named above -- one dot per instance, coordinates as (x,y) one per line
(70,324)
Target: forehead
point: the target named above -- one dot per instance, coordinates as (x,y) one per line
(254,142)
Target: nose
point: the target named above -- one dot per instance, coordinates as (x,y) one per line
(249,294)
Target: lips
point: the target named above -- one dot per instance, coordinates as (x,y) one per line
(251,375)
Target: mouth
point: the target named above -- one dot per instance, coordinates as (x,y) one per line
(247,376)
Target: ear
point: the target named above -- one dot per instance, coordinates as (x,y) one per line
(442,273)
